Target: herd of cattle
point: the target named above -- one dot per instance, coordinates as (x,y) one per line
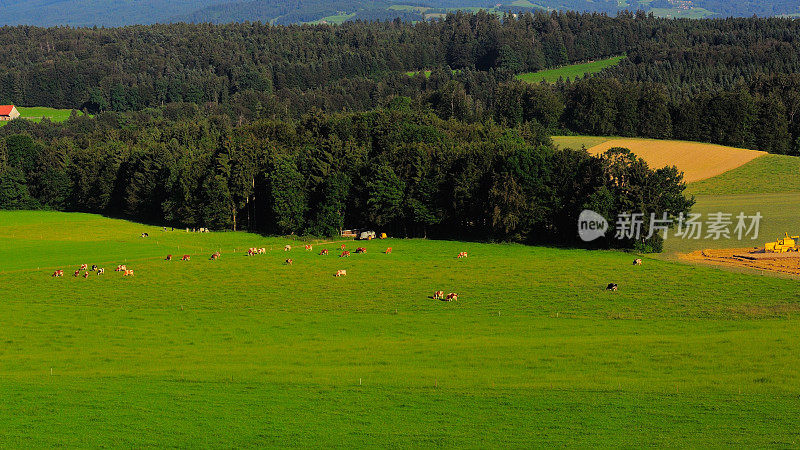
(85,271)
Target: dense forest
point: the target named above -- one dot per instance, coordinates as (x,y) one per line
(332,114)
(401,169)
(727,81)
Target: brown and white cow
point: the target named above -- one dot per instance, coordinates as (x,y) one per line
(84,267)
(58,273)
(169,257)
(388,250)
(451,297)
(462,255)
(438,295)
(186,258)
(341,273)
(324,251)
(77,272)
(121,268)
(86,274)
(309,247)
(288,262)
(637,262)
(343,246)
(287,248)
(101,271)
(128,273)
(345,254)
(215,256)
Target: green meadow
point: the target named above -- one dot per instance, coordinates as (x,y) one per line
(247,351)
(36,114)
(569,72)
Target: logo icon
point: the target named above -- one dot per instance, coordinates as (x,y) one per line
(591,225)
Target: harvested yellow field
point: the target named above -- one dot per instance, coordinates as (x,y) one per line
(696,160)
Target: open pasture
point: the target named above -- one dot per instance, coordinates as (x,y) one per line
(247,350)
(573,71)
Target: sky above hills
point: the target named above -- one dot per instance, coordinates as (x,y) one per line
(129,12)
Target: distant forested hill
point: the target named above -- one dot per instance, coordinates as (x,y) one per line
(129,12)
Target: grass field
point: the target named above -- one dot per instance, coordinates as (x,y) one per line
(764,175)
(247,351)
(569,72)
(36,114)
(698,161)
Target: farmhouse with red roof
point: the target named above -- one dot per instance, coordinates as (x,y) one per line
(8,112)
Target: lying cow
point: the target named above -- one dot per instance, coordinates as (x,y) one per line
(251,251)
(84,267)
(58,273)
(361,250)
(324,251)
(309,247)
(287,248)
(611,287)
(341,273)
(86,275)
(438,295)
(637,262)
(77,272)
(215,256)
(262,250)
(345,254)
(169,257)
(451,297)
(186,258)
(288,262)
(101,271)
(94,267)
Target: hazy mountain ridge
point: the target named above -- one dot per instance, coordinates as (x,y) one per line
(128,12)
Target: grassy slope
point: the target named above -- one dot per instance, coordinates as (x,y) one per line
(769,185)
(247,351)
(572,71)
(35,114)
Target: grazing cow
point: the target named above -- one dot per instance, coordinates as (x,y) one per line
(611,287)
(388,250)
(169,257)
(262,250)
(215,256)
(77,272)
(309,247)
(361,250)
(637,262)
(451,297)
(341,273)
(186,258)
(84,267)
(462,255)
(251,251)
(342,246)
(344,254)
(287,248)
(58,273)
(120,268)
(94,267)
(128,273)
(145,235)
(324,251)
(438,295)
(86,275)
(101,271)
(288,262)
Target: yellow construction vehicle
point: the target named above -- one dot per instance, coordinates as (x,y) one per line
(787,244)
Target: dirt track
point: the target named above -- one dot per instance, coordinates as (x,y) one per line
(785,263)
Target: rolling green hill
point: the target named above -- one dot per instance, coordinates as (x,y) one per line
(36,114)
(247,351)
